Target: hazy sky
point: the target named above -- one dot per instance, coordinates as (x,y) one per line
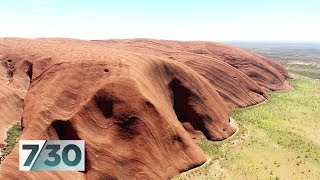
(216,20)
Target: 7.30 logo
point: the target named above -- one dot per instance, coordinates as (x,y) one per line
(47,155)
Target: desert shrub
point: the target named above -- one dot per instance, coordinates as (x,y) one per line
(12,134)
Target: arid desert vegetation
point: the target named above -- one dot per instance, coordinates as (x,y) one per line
(278,139)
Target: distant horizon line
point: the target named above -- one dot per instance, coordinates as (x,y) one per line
(219,41)
(270,41)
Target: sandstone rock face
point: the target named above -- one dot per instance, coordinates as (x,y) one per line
(138,104)
(240,77)
(12,90)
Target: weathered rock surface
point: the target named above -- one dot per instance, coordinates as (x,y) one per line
(136,103)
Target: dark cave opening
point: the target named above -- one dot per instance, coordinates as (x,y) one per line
(105,105)
(30,71)
(183,108)
(65,130)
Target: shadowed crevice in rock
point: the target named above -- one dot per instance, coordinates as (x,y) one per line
(30,71)
(127,125)
(183,108)
(65,130)
(26,67)
(105,104)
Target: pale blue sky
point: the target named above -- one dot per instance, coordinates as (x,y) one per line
(215,20)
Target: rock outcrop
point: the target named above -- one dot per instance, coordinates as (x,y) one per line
(138,104)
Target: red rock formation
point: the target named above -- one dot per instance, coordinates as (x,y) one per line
(132,101)
(14,83)
(237,89)
(266,72)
